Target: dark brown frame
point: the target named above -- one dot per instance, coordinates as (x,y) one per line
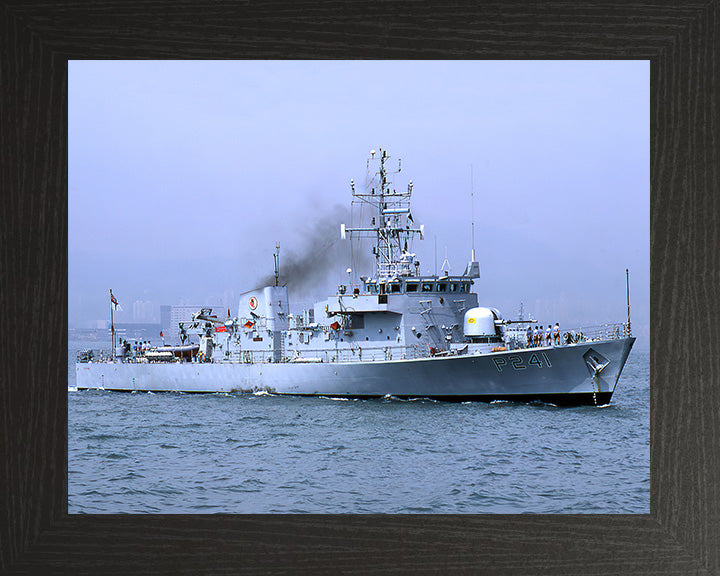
(681,535)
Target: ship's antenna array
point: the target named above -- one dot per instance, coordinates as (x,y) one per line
(392,228)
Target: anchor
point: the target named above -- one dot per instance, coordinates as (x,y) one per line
(595,363)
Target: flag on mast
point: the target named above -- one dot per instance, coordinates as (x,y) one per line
(114,302)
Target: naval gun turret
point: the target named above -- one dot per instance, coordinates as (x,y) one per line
(482,329)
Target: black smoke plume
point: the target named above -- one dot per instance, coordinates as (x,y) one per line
(320,255)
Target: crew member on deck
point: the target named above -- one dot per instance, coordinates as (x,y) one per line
(529,336)
(556,334)
(548,336)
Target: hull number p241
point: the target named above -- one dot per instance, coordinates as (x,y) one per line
(540,360)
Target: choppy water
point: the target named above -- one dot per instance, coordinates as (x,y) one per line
(177,453)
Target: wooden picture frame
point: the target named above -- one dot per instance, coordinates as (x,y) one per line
(681,535)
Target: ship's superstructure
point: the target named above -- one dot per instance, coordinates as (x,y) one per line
(397,332)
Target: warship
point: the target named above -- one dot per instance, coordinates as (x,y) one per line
(396,333)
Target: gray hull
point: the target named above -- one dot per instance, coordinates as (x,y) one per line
(585,373)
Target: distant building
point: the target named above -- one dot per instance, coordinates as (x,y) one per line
(143,311)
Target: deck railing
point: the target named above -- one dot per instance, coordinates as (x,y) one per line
(601,332)
(308,356)
(595,333)
(325,355)
(97,355)
(361,353)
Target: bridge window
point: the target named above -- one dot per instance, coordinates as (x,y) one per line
(411,287)
(394,287)
(441,287)
(427,287)
(372,288)
(453,287)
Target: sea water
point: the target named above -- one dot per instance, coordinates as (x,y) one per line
(187,453)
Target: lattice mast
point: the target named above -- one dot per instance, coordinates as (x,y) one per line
(391,223)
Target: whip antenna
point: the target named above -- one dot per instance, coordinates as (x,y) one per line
(627,288)
(276,257)
(472,212)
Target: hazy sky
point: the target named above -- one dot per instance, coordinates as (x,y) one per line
(184,175)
